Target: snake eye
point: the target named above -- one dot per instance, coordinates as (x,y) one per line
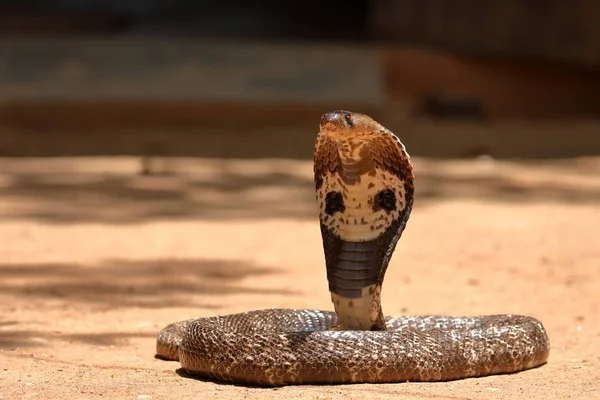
(334,202)
(385,199)
(348,119)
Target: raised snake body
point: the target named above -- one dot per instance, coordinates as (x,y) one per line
(364,186)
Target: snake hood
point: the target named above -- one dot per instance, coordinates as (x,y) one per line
(364,187)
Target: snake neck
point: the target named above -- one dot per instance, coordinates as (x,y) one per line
(364,187)
(360,313)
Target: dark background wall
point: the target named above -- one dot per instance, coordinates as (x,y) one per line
(542,29)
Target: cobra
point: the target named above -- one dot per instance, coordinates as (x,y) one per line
(364,186)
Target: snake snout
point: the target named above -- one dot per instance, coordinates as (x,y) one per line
(341,118)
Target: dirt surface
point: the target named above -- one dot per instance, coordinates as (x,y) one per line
(95,259)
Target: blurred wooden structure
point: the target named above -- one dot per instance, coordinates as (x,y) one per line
(552,30)
(495,77)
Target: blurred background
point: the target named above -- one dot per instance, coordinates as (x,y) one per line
(156,87)
(156,165)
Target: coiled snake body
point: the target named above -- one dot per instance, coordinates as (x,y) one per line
(364,186)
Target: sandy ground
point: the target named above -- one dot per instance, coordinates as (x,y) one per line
(95,260)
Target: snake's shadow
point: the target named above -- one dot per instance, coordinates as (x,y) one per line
(184,374)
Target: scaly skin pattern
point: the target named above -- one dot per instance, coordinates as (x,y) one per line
(364,188)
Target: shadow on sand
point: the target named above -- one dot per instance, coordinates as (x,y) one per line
(273,193)
(120,284)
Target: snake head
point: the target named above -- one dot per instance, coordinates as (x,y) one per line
(347,123)
(364,185)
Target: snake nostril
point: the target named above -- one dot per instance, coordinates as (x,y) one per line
(330,117)
(334,202)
